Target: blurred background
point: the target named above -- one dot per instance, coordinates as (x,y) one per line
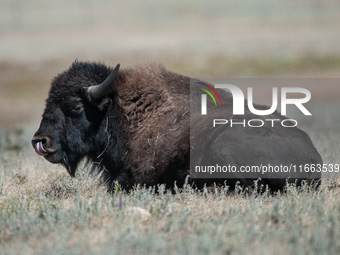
(201,38)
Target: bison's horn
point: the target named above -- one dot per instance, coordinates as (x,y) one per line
(100,90)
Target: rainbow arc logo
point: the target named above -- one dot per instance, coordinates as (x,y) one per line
(213,90)
(204,97)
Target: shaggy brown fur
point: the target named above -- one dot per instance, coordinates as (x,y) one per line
(139,132)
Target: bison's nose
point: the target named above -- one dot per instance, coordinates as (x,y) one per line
(39,144)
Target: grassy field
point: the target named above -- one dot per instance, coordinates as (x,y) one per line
(44,211)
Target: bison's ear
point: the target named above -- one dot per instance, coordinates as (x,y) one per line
(104,104)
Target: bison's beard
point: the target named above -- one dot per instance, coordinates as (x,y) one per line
(71,163)
(72,160)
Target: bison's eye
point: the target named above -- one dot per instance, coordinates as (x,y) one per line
(77,109)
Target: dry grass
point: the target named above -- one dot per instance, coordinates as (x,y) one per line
(44,211)
(86,220)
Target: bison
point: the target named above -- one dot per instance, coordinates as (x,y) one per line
(133,126)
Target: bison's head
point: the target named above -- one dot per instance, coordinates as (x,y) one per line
(74,119)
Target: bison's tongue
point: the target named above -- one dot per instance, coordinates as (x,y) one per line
(39,149)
